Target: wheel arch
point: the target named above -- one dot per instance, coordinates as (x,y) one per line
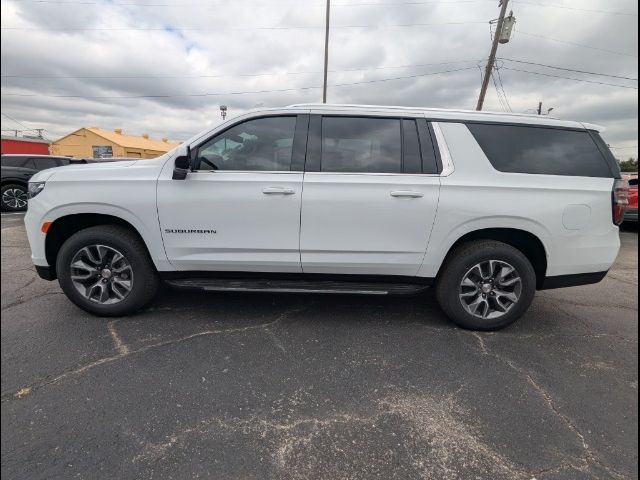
(64,227)
(526,242)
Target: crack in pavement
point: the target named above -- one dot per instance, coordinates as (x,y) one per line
(589,457)
(120,346)
(124,351)
(22,301)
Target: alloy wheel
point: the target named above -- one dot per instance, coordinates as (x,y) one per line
(15,198)
(490,289)
(101,274)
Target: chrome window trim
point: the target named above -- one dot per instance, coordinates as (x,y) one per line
(375,174)
(445,154)
(271,172)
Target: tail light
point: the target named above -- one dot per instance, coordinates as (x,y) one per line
(620,200)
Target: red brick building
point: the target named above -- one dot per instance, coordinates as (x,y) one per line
(36,146)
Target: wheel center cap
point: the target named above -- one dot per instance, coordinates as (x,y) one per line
(106,273)
(487,288)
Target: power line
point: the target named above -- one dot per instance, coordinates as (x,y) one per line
(570,69)
(16,121)
(265,74)
(586,10)
(576,44)
(570,78)
(500,100)
(504,93)
(235,93)
(218,28)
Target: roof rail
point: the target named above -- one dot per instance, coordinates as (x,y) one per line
(421,109)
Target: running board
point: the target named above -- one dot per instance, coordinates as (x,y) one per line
(296,286)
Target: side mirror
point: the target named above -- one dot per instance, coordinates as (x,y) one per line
(182,165)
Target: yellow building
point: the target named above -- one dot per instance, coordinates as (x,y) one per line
(94,142)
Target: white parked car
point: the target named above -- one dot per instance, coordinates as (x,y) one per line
(487,208)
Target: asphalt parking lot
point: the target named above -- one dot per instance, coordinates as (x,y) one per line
(263,386)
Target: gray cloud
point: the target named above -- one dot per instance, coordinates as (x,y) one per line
(210,47)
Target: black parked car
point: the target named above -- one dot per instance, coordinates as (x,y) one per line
(16,172)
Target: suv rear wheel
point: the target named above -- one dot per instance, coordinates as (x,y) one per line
(13,197)
(106,270)
(486,285)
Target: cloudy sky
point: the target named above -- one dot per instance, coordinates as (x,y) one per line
(163,67)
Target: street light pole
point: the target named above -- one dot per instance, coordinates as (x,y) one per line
(326,53)
(492,56)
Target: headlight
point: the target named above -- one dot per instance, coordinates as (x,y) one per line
(35,188)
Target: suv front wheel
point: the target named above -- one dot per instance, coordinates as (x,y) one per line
(486,285)
(106,270)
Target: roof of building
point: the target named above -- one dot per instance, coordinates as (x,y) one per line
(25,139)
(129,141)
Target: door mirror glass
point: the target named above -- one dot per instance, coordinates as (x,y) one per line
(181,167)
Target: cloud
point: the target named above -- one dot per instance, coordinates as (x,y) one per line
(194,49)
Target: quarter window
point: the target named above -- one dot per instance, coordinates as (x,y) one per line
(44,163)
(543,151)
(264,144)
(354,145)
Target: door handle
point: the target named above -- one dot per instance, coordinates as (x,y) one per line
(278,191)
(407,193)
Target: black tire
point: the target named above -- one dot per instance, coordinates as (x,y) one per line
(13,189)
(465,257)
(145,278)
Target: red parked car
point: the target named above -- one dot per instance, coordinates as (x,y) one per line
(632,211)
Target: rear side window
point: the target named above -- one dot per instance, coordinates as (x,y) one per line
(361,145)
(543,151)
(43,163)
(14,161)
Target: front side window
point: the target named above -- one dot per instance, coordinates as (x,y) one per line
(361,145)
(14,162)
(264,144)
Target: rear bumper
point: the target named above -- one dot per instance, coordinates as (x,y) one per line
(46,273)
(576,280)
(631,215)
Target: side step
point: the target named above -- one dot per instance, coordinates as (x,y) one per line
(296,286)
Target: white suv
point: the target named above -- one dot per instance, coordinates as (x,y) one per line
(342,199)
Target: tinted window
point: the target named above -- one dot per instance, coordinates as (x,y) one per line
(370,145)
(633,182)
(545,151)
(44,163)
(14,161)
(265,144)
(412,161)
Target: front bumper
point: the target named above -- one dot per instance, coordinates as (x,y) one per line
(631,215)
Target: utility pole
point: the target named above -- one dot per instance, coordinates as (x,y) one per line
(326,53)
(492,56)
(39,132)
